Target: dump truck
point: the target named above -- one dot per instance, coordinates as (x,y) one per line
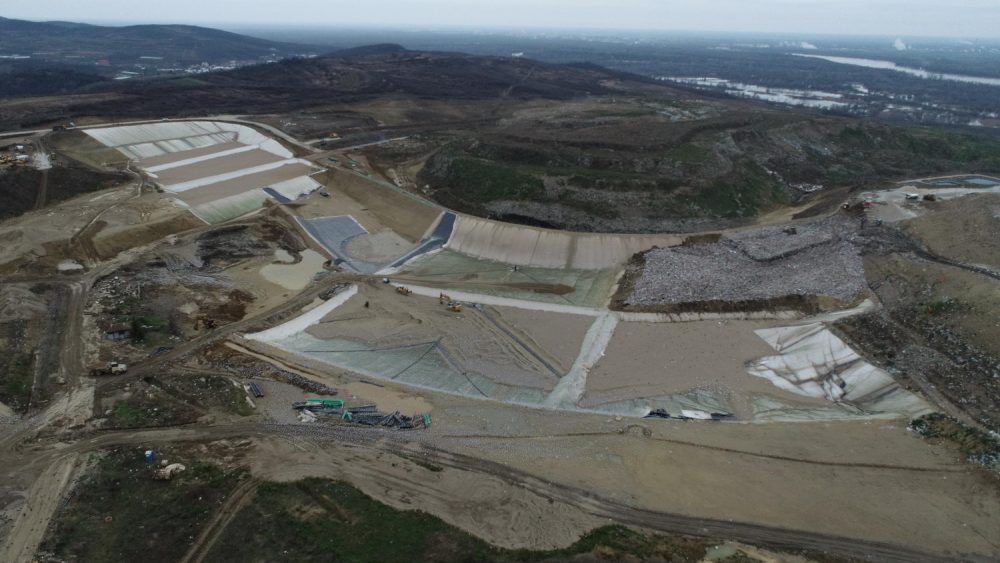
(112,368)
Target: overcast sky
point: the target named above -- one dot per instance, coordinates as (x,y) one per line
(949,18)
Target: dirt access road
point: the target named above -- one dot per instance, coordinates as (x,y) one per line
(317,442)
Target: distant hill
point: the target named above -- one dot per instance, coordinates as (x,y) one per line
(178,45)
(30,78)
(391,69)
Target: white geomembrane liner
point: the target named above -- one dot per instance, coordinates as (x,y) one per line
(151,140)
(305,320)
(815,363)
(176,136)
(296,187)
(209,180)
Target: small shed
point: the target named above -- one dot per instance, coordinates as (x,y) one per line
(117,331)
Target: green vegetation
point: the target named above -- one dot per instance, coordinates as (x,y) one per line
(146,328)
(178,399)
(120,513)
(478,181)
(125,415)
(16,380)
(977,446)
(19,186)
(945,306)
(321,520)
(689,153)
(745,193)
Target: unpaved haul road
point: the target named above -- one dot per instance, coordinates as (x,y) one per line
(27,532)
(41,502)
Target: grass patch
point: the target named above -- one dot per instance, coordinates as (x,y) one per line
(119,513)
(689,154)
(16,381)
(321,520)
(745,193)
(126,415)
(943,307)
(213,392)
(981,448)
(150,407)
(481,182)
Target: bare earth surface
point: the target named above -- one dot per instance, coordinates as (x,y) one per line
(966,229)
(650,359)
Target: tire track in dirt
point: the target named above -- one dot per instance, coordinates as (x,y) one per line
(760,455)
(781,539)
(41,502)
(211,532)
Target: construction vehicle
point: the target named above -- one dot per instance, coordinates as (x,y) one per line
(113,368)
(444,298)
(403,290)
(455,307)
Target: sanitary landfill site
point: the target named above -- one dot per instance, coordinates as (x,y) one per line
(250,311)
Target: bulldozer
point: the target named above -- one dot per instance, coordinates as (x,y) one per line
(403,290)
(455,307)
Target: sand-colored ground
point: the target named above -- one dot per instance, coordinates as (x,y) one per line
(479,341)
(170,158)
(407,215)
(653,359)
(219,190)
(294,276)
(387,399)
(867,480)
(966,229)
(103,223)
(451,270)
(483,505)
(558,334)
(215,167)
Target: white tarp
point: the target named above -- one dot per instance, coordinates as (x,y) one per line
(815,363)
(155,139)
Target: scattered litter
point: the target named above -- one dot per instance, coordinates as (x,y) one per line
(168,472)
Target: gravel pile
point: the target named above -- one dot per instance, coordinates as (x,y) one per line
(769,243)
(821,259)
